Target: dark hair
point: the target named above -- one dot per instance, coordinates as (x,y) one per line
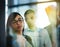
(12,17)
(29,11)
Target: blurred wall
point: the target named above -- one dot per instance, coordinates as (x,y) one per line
(2,23)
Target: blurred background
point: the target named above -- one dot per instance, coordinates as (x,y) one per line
(43,10)
(47,13)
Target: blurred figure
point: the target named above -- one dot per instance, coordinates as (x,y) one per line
(51,13)
(40,37)
(58,28)
(15,25)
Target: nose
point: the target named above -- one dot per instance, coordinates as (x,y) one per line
(18,23)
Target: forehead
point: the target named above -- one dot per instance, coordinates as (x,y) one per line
(17,17)
(30,14)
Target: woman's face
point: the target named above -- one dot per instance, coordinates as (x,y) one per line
(18,23)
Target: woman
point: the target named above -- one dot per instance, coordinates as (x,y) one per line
(15,37)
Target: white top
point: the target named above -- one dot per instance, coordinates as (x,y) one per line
(20,41)
(40,37)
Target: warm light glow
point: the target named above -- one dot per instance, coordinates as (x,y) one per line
(51,12)
(42,18)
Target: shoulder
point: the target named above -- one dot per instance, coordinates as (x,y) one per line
(43,32)
(28,38)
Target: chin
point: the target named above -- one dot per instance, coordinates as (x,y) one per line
(18,30)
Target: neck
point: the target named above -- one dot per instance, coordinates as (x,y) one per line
(18,32)
(32,28)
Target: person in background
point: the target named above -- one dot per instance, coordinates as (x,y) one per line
(15,30)
(40,37)
(51,13)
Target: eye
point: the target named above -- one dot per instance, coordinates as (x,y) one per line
(20,19)
(14,21)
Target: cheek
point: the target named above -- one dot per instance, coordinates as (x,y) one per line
(28,20)
(13,26)
(22,24)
